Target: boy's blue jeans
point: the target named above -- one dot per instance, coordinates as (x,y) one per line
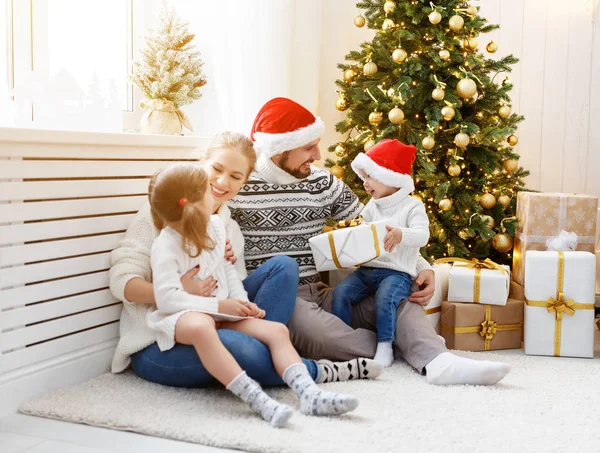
(273,288)
(390,288)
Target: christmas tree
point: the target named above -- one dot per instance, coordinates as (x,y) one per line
(170,69)
(424,81)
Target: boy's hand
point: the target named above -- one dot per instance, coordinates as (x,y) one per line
(392,239)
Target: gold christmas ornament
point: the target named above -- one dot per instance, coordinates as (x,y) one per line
(360,21)
(389,7)
(337,171)
(445,204)
(448,113)
(512,140)
(506,81)
(375,118)
(504,200)
(399,55)
(370,69)
(470,43)
(472,11)
(396,115)
(456,23)
(462,140)
(489,220)
(510,165)
(341,104)
(504,111)
(502,242)
(340,151)
(435,17)
(444,54)
(349,75)
(454,170)
(391,93)
(492,47)
(487,201)
(466,88)
(438,94)
(368,145)
(428,142)
(387,24)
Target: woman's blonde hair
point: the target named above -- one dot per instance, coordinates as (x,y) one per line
(172,194)
(233,140)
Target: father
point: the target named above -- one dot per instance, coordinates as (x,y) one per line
(285,202)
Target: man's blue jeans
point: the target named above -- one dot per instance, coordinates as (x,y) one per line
(390,288)
(273,288)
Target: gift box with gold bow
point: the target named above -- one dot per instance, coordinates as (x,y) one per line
(480,282)
(559,303)
(475,327)
(352,243)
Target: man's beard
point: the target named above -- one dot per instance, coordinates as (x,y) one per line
(296,172)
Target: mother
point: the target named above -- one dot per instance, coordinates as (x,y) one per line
(228,161)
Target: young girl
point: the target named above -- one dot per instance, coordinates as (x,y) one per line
(181,204)
(385,170)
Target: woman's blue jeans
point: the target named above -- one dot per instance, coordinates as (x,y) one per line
(273,288)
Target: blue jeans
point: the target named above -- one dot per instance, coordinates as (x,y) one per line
(272,286)
(390,288)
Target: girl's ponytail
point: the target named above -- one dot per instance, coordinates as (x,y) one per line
(194,230)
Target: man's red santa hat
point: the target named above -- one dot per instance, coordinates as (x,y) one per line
(389,162)
(282,125)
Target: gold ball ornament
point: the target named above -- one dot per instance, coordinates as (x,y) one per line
(466,88)
(504,200)
(504,111)
(387,24)
(369,69)
(337,171)
(454,170)
(470,43)
(445,204)
(444,54)
(456,23)
(349,75)
(472,11)
(368,145)
(396,115)
(502,242)
(341,104)
(389,7)
(340,151)
(435,17)
(489,220)
(448,113)
(510,165)
(512,140)
(428,142)
(487,201)
(492,47)
(360,21)
(375,118)
(399,55)
(462,140)
(438,94)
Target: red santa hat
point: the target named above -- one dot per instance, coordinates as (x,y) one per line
(282,125)
(389,162)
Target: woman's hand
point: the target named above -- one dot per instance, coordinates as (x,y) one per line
(426,283)
(229,256)
(234,307)
(204,288)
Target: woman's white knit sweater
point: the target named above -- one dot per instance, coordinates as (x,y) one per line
(409,215)
(131,259)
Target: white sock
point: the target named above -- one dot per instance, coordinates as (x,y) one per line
(384,353)
(448,369)
(250,391)
(313,400)
(360,368)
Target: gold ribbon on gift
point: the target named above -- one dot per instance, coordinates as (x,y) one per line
(558,304)
(477,265)
(348,223)
(334,255)
(487,329)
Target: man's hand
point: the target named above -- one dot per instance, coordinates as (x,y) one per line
(191,285)
(235,307)
(392,239)
(426,283)
(229,256)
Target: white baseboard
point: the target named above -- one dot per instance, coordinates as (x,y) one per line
(78,366)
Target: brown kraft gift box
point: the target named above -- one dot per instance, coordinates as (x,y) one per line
(477,327)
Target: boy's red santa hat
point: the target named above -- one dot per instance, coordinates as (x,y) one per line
(282,125)
(389,162)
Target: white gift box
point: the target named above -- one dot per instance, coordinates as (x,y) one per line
(559,303)
(349,247)
(478,285)
(434,308)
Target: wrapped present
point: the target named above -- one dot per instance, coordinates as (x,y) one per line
(542,216)
(477,327)
(351,244)
(434,307)
(559,303)
(480,282)
(517,292)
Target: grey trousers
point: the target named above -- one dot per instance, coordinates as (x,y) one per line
(318,334)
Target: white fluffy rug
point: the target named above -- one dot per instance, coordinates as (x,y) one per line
(545,405)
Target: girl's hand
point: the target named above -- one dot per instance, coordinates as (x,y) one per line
(234,307)
(392,239)
(256,311)
(191,285)
(229,256)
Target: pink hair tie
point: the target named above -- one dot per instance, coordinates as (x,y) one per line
(183,201)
